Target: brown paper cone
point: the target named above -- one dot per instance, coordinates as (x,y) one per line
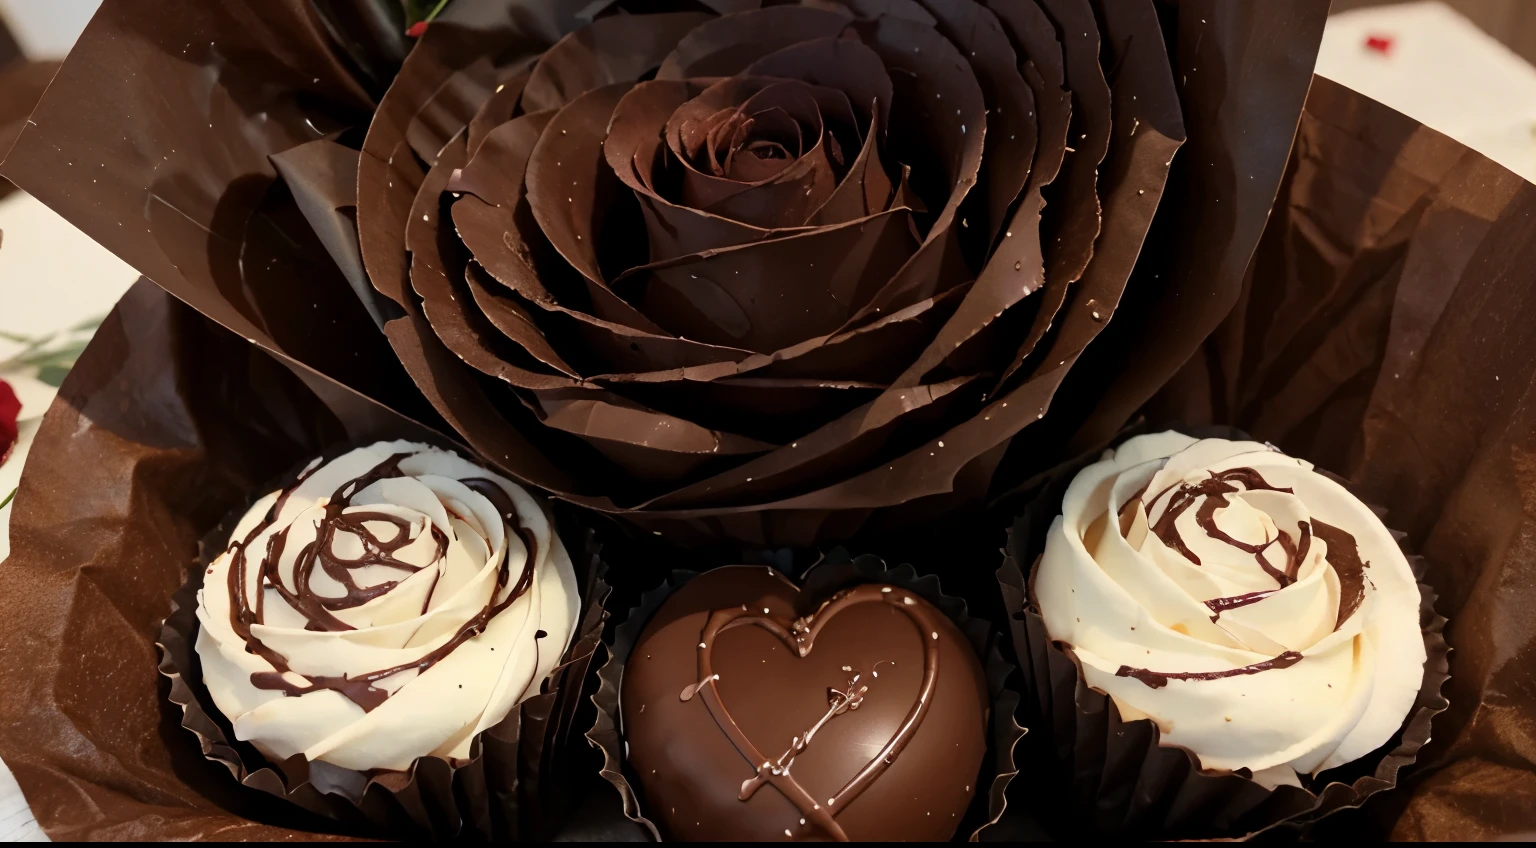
(836,571)
(515,785)
(1118,779)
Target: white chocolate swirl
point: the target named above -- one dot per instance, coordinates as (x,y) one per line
(1253,608)
(391,604)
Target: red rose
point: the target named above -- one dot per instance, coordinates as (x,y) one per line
(10,410)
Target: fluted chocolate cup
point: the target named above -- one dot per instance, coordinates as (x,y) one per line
(511,781)
(1115,774)
(837,571)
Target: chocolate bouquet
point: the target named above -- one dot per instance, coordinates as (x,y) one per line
(455,317)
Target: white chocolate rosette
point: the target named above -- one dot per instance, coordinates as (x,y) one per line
(1254,609)
(390,604)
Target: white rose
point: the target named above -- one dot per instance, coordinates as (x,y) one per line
(1254,609)
(397,558)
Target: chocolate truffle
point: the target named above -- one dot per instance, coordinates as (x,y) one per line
(1252,607)
(751,712)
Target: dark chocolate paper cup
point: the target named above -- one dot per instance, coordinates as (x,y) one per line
(1115,776)
(836,571)
(514,785)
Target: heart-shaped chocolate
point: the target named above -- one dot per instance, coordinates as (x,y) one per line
(751,712)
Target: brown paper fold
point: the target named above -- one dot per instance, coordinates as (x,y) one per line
(515,785)
(1116,778)
(835,571)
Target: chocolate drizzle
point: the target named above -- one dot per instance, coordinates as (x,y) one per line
(800,636)
(318,610)
(1211,495)
(1221,605)
(1159,679)
(1344,555)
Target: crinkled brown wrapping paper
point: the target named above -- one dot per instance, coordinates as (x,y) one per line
(1384,330)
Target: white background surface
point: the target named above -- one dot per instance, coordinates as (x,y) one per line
(1440,70)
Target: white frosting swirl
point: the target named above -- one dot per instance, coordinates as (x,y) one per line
(1153,578)
(429,577)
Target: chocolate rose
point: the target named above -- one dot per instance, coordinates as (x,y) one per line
(390,604)
(788,261)
(1253,608)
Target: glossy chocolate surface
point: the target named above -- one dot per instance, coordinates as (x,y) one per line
(865,713)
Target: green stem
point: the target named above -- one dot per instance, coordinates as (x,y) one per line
(8,499)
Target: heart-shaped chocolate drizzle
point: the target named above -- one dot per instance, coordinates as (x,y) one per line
(800,636)
(903,717)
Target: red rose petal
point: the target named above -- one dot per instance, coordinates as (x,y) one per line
(10,411)
(415,30)
(1380,43)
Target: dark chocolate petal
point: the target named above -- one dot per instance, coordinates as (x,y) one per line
(727,45)
(868,10)
(498,108)
(437,271)
(515,321)
(388,173)
(829,453)
(1015,269)
(633,149)
(1071,221)
(934,136)
(1216,205)
(648,444)
(786,199)
(599,346)
(441,116)
(774,293)
(576,199)
(878,351)
(1149,129)
(1010,127)
(864,190)
(609,50)
(773,409)
(843,64)
(496,169)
